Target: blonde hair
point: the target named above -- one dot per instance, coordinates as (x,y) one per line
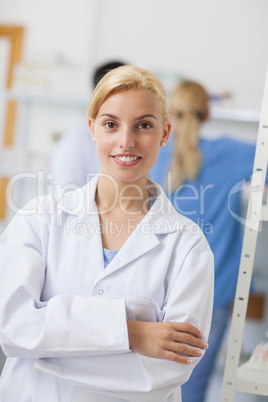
(126,78)
(189,103)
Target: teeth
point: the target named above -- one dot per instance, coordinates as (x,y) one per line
(127,158)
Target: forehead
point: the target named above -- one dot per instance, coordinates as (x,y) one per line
(132,102)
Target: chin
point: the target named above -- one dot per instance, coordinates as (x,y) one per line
(129,178)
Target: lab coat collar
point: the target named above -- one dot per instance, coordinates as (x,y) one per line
(161,219)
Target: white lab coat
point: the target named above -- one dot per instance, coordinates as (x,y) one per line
(63,316)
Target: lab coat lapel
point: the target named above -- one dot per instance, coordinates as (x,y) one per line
(92,242)
(159,220)
(140,242)
(81,203)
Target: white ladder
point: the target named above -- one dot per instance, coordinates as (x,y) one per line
(241,378)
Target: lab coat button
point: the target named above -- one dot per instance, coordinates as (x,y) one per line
(101,291)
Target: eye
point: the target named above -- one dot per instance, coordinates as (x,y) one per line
(144,126)
(110,124)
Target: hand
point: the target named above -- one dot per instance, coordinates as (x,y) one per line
(166,340)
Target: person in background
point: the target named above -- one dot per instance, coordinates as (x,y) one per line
(107,290)
(203,179)
(74,158)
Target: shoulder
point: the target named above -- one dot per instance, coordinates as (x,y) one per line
(230,144)
(29,223)
(165,220)
(41,208)
(228,150)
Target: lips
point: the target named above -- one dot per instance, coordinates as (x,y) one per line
(127,160)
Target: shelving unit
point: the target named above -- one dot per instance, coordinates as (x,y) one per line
(35,97)
(251,381)
(217,112)
(27,154)
(243,378)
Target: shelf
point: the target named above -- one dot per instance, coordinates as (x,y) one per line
(237,115)
(34,97)
(252,381)
(39,98)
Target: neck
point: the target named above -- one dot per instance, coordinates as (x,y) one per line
(127,196)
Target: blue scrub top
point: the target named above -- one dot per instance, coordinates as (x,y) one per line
(108,256)
(213,201)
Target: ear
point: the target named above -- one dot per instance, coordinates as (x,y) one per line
(91,128)
(166,132)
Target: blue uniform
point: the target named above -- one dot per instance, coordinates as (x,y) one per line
(213,201)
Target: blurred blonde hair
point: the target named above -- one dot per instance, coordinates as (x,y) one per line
(189,104)
(126,78)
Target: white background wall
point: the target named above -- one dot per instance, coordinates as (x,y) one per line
(221,43)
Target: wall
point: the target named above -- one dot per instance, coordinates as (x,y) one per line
(223,44)
(53,26)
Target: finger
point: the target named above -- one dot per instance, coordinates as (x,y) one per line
(184,349)
(188,328)
(187,350)
(190,340)
(174,357)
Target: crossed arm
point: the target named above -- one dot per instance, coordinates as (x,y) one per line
(172,341)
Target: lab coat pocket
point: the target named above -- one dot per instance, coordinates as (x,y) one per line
(142,308)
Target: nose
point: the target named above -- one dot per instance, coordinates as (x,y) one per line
(127,138)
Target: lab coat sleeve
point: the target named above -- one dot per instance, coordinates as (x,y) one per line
(137,377)
(64,325)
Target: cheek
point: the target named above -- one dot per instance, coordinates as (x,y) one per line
(104,147)
(177,125)
(153,149)
(102,141)
(100,147)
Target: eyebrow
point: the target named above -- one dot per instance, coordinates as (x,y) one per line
(112,116)
(144,116)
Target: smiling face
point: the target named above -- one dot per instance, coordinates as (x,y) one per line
(129,130)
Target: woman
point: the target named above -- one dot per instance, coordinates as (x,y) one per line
(204,183)
(105,287)
(74,156)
